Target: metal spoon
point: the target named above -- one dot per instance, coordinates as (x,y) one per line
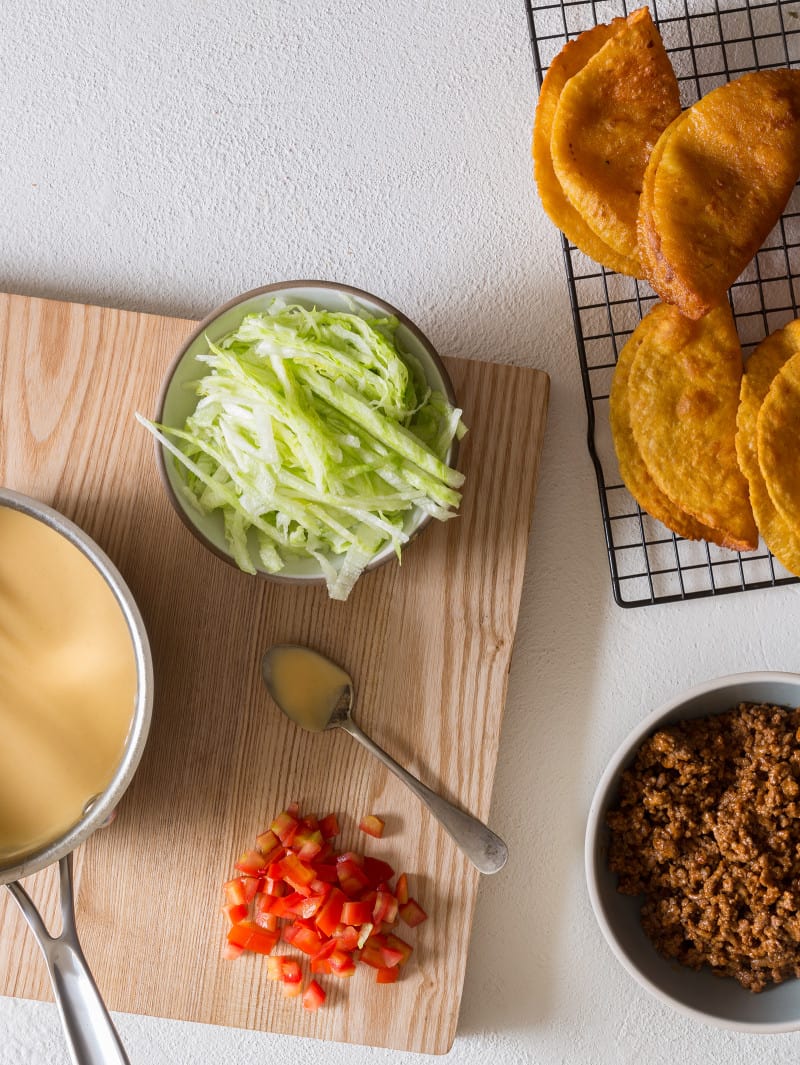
(330,706)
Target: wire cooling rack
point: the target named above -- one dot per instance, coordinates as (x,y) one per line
(709,42)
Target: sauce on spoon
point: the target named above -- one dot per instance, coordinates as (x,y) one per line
(306,685)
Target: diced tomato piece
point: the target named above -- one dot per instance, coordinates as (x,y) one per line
(387,976)
(391,957)
(319,887)
(295,871)
(325,951)
(283,907)
(394,942)
(372,825)
(274,887)
(326,872)
(352,878)
(356,913)
(267,920)
(275,966)
(267,841)
(263,940)
(329,826)
(313,996)
(412,913)
(401,889)
(330,914)
(322,966)
(364,933)
(371,955)
(234,891)
(293,809)
(290,989)
(347,939)
(308,907)
(239,934)
(308,844)
(289,932)
(230,952)
(350,856)
(250,862)
(285,826)
(291,972)
(342,963)
(311,822)
(378,872)
(250,937)
(385,908)
(236,912)
(307,940)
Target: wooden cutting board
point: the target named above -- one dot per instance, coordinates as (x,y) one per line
(429,644)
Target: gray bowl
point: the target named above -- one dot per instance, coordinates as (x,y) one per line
(717,1000)
(177,401)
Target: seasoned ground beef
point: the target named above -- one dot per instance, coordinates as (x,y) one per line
(707,829)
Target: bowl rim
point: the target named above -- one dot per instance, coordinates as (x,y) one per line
(276,287)
(599,804)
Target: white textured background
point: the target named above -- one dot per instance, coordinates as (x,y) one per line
(164,155)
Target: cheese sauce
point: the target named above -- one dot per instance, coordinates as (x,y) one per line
(67,684)
(305,685)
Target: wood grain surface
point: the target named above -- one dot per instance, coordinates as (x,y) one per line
(429,644)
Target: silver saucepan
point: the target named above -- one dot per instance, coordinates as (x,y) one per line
(90,1033)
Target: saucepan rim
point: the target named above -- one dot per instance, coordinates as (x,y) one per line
(135,741)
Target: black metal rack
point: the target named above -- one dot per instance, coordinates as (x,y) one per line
(709,42)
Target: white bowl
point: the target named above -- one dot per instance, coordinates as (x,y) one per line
(177,401)
(717,1000)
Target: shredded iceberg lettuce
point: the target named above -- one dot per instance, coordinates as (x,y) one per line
(315,436)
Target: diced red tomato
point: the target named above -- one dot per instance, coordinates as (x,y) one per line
(342,963)
(249,936)
(285,826)
(356,913)
(338,909)
(378,872)
(401,889)
(330,914)
(291,972)
(234,892)
(394,942)
(412,913)
(267,841)
(325,951)
(352,878)
(307,940)
(347,939)
(236,912)
(267,920)
(326,872)
(372,825)
(329,826)
(385,908)
(250,862)
(313,996)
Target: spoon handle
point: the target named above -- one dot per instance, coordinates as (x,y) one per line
(485,850)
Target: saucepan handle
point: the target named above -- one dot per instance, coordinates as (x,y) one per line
(90,1032)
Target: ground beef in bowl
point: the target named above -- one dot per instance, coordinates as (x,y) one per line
(707,828)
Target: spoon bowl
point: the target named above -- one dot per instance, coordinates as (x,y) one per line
(317,694)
